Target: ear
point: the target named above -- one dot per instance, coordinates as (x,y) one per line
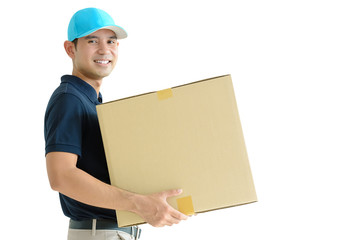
(70,49)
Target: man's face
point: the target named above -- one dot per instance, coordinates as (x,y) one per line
(95,55)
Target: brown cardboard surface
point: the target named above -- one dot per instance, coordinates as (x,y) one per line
(191,139)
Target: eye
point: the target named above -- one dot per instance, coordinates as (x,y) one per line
(92,41)
(111,41)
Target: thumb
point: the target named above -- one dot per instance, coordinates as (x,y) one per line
(172,193)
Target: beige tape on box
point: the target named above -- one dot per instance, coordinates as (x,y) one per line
(185,205)
(164,94)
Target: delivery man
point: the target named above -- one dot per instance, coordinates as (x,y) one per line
(75,158)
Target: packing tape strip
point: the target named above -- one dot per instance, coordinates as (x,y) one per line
(164,94)
(185,205)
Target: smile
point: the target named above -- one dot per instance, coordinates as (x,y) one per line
(102,61)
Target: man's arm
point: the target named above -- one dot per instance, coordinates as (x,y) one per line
(71,181)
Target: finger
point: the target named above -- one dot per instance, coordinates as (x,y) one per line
(172,193)
(171,220)
(178,215)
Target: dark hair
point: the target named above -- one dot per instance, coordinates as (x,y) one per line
(75,41)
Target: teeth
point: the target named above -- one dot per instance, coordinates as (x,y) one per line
(102,61)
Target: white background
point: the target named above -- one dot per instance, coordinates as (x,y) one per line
(295,69)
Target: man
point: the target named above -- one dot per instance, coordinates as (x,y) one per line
(75,156)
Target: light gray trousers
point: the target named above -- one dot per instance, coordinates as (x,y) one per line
(80,234)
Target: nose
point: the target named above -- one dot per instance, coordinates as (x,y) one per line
(103,48)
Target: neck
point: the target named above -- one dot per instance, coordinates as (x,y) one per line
(95,83)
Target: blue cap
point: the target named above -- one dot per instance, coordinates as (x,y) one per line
(89,20)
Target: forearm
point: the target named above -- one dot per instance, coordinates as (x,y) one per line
(152,208)
(83,187)
(73,182)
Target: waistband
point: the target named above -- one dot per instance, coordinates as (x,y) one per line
(104,224)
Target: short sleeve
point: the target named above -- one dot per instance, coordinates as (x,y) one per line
(63,124)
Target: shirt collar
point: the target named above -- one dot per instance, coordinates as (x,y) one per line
(84,87)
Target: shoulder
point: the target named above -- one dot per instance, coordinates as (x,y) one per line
(63,109)
(66,101)
(65,90)
(67,97)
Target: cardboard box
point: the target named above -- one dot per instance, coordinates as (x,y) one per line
(187,137)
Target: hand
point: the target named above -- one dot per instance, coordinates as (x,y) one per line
(155,210)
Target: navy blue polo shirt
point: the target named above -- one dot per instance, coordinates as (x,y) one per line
(71,125)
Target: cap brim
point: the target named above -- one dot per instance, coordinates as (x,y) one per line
(119,31)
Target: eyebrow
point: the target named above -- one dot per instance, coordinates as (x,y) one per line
(92,36)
